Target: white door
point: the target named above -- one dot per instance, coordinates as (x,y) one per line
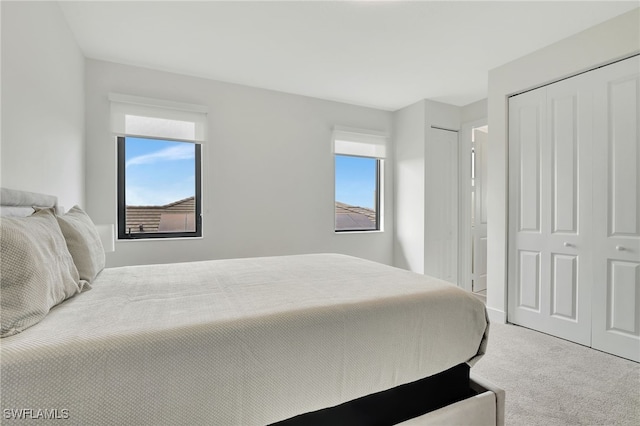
(480,212)
(616,311)
(441,205)
(550,209)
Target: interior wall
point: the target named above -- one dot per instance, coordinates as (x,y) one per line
(409,135)
(474,111)
(612,40)
(268,169)
(412,190)
(42,145)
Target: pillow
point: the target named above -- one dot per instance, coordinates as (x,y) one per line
(15,211)
(37,270)
(83,242)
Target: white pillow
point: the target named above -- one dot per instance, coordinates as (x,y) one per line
(83,242)
(37,270)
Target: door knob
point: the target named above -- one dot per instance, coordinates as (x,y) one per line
(620,248)
(568,244)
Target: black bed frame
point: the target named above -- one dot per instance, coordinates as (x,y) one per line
(395,405)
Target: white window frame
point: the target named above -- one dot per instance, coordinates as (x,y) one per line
(148,118)
(348,141)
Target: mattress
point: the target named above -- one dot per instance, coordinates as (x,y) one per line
(237,342)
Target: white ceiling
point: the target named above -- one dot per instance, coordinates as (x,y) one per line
(383,54)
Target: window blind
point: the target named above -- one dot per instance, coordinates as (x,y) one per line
(360,143)
(156,118)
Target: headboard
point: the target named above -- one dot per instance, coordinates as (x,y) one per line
(15,203)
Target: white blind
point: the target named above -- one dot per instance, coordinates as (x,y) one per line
(361,143)
(147,117)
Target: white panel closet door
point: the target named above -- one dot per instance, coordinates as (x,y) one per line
(441,205)
(616,313)
(526,236)
(550,209)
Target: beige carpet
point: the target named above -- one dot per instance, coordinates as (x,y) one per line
(550,381)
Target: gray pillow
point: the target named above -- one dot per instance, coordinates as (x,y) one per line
(37,270)
(83,242)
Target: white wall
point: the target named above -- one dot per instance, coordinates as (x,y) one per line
(474,112)
(42,146)
(409,136)
(604,43)
(268,169)
(412,127)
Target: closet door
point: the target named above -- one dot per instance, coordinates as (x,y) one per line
(526,236)
(441,209)
(550,180)
(616,311)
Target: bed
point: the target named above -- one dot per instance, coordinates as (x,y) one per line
(287,340)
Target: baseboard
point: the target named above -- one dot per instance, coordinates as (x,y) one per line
(496,315)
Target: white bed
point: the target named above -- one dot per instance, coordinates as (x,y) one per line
(238,342)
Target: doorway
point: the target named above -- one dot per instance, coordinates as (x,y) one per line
(479,139)
(473,208)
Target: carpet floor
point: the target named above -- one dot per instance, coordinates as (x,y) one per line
(550,381)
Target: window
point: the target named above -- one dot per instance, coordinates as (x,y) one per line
(358,180)
(159,167)
(158,188)
(357,193)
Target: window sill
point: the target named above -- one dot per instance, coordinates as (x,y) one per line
(128,240)
(378,231)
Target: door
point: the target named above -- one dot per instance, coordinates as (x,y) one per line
(479,274)
(574,209)
(441,205)
(616,313)
(550,134)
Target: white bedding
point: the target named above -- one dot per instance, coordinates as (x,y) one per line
(238,342)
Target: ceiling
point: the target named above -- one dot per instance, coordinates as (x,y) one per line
(382,54)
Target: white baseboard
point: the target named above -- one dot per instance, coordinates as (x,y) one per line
(496,315)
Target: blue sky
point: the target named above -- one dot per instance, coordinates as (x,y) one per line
(158,172)
(356,180)
(161,172)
